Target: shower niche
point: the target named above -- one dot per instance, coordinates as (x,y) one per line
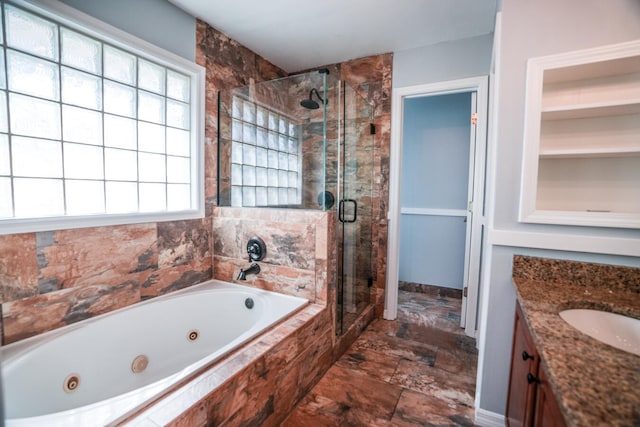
(305,142)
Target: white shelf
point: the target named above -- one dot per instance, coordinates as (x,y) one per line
(581,158)
(596,109)
(584,153)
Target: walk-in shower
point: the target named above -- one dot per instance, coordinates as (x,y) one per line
(305,142)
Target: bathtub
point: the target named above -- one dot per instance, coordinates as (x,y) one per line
(95,371)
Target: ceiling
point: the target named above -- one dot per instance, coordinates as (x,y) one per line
(297,34)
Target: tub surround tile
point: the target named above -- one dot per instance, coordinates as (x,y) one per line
(34,315)
(18,266)
(180,242)
(593,382)
(72,258)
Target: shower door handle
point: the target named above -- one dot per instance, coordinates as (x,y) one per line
(341,217)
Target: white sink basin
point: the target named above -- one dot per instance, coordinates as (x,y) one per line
(614,329)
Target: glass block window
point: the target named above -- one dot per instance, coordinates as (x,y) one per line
(265,157)
(90,126)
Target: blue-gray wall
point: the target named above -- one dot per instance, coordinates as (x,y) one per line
(155,21)
(435,174)
(440,62)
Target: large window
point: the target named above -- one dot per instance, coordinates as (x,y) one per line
(93,129)
(265,157)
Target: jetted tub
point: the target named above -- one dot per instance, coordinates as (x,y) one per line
(95,371)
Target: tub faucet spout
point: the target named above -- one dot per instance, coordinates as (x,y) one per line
(254,268)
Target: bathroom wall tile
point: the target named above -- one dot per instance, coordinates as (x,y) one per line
(18,266)
(96,256)
(34,315)
(180,242)
(166,280)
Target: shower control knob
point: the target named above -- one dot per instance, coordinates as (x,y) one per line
(256,248)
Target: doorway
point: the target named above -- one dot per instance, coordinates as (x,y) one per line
(437,190)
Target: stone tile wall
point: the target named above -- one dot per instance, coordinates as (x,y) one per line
(298,249)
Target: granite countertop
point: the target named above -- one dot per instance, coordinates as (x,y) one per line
(594,383)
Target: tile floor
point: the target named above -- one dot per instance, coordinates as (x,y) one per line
(419,370)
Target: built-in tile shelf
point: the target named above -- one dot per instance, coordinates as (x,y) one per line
(581,159)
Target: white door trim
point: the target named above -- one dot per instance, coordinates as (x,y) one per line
(473,84)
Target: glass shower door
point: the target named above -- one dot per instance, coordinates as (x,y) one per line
(355,215)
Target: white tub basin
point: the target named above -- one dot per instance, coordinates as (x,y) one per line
(614,329)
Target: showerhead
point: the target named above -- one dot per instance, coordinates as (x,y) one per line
(310,103)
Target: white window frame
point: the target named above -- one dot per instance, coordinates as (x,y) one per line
(79,21)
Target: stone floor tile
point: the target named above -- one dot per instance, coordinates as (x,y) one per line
(375,364)
(416,409)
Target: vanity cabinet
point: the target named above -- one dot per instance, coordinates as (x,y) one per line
(530,401)
(581,159)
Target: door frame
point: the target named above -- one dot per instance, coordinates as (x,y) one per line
(480,85)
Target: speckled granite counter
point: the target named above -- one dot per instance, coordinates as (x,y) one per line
(594,383)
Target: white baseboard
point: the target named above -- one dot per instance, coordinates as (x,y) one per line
(489,419)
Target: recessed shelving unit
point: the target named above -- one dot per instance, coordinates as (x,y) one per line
(581,161)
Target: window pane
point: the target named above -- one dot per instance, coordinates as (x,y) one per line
(151,167)
(248,175)
(33,76)
(293,162)
(178,142)
(122,197)
(150,137)
(177,114)
(178,197)
(283,161)
(283,178)
(30,33)
(36,157)
(273,121)
(262,139)
(4,126)
(261,196)
(81,89)
(152,197)
(151,77)
(119,99)
(150,107)
(80,125)
(177,86)
(3,75)
(261,157)
(293,179)
(236,174)
(249,134)
(5,164)
(262,117)
(236,130)
(261,177)
(119,132)
(272,195)
(236,108)
(236,196)
(236,152)
(119,65)
(249,112)
(83,161)
(38,197)
(272,158)
(249,155)
(80,51)
(272,177)
(178,170)
(6,201)
(248,196)
(273,140)
(34,117)
(120,165)
(84,197)
(283,196)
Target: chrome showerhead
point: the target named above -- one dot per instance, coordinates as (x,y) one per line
(310,103)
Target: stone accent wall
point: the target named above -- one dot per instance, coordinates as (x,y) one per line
(297,256)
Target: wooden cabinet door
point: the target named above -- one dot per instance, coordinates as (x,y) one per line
(524,368)
(547,413)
